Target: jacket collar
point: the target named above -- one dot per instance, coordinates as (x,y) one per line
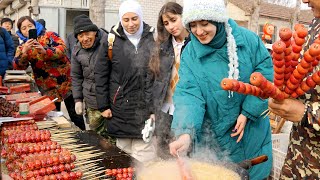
(118,30)
(167,46)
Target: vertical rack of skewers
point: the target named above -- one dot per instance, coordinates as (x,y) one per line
(38,150)
(295,70)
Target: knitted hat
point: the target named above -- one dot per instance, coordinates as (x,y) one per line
(213,10)
(82,23)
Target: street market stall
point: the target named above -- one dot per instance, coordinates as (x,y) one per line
(35,146)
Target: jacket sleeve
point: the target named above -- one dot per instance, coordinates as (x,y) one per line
(15,42)
(77,78)
(149,84)
(20,61)
(253,107)
(311,116)
(188,102)
(148,92)
(9,46)
(102,75)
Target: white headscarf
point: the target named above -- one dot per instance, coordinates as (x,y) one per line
(134,7)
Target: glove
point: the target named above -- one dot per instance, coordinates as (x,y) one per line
(78,108)
(147,131)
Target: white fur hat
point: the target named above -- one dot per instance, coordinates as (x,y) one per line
(213,10)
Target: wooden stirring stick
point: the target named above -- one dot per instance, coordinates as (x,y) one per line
(185,170)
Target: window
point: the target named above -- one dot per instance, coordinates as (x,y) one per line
(85,3)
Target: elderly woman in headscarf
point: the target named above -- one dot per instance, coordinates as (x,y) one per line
(123,93)
(225,124)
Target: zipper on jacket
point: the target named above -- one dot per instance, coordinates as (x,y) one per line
(136,52)
(115,96)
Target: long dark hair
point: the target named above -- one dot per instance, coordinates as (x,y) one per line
(19,23)
(162,34)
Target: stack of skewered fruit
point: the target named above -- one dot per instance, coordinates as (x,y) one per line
(293,76)
(120,173)
(30,153)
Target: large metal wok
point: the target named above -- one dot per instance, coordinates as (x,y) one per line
(240,169)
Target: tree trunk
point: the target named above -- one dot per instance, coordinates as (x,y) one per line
(96,12)
(296,13)
(254,22)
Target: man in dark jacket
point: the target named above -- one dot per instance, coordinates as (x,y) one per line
(7,24)
(6,51)
(126,90)
(92,46)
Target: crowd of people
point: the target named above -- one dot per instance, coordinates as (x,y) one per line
(120,79)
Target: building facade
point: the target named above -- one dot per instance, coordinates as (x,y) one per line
(58,14)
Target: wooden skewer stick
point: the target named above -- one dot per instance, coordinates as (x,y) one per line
(90,169)
(103,176)
(86,162)
(86,166)
(59,133)
(93,174)
(63,135)
(78,145)
(87,157)
(90,176)
(84,148)
(49,125)
(279,126)
(64,140)
(72,146)
(63,132)
(86,154)
(100,169)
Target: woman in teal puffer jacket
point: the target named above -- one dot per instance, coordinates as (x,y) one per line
(229,125)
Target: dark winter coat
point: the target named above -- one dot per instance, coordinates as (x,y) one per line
(71,41)
(6,51)
(16,43)
(128,93)
(162,82)
(82,69)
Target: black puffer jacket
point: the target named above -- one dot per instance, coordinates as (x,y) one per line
(82,69)
(129,92)
(162,81)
